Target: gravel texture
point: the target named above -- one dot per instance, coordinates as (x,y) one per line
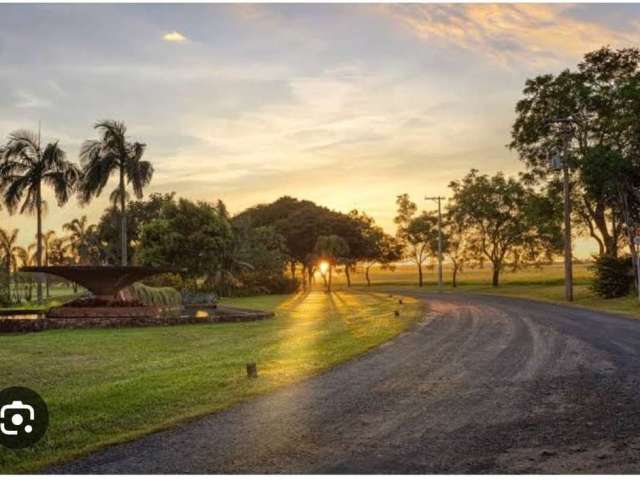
(482,385)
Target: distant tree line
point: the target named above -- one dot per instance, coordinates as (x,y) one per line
(590,116)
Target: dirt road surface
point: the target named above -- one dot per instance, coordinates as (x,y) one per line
(482,385)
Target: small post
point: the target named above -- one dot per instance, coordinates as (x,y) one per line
(252,370)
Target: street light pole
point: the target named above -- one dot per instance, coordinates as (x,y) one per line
(438,199)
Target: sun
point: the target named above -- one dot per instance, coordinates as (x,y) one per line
(324,267)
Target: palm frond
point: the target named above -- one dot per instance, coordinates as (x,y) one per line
(14,189)
(116,196)
(24,144)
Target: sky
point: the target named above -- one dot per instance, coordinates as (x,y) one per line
(345,105)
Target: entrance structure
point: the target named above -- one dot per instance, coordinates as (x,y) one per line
(103,281)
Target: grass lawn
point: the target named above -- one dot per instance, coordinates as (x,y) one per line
(546,284)
(58,294)
(105,386)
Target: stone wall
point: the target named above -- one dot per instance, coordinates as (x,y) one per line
(14,325)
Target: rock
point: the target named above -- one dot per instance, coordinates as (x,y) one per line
(548,453)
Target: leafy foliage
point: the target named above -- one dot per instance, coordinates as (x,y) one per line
(613,276)
(599,103)
(114,153)
(505,221)
(418,235)
(186,234)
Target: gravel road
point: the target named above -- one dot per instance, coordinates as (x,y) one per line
(482,385)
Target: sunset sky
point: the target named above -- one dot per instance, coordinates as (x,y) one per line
(345,105)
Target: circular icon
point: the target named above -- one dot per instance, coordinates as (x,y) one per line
(24,417)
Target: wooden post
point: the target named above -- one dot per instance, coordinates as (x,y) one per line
(252,370)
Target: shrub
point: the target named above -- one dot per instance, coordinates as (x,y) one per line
(613,276)
(190,297)
(156,296)
(260,283)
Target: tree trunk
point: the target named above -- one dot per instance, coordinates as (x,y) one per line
(455,275)
(39,239)
(46,264)
(330,278)
(293,269)
(123,219)
(366,275)
(348,275)
(304,276)
(420,283)
(496,275)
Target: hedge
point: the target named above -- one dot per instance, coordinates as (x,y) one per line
(156,296)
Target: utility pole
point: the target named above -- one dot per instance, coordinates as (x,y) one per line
(560,162)
(439,199)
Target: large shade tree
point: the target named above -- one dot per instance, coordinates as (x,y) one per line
(25,169)
(505,221)
(113,153)
(417,233)
(189,235)
(598,103)
(331,249)
(376,247)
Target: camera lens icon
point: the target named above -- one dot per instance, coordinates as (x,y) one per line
(24,417)
(16,413)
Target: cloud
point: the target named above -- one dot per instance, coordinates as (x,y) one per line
(174,37)
(26,99)
(511,34)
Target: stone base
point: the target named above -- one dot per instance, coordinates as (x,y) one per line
(105,312)
(83,319)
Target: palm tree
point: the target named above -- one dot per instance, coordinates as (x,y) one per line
(47,240)
(25,168)
(11,253)
(27,258)
(79,234)
(114,153)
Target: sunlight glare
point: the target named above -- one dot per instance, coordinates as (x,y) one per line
(324,267)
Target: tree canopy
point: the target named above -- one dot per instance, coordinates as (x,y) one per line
(505,221)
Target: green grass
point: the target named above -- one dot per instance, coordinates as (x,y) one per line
(545,284)
(58,294)
(407,275)
(105,386)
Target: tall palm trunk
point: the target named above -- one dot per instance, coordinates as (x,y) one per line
(123,219)
(39,240)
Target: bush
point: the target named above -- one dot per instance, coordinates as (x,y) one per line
(258,283)
(190,297)
(156,296)
(613,276)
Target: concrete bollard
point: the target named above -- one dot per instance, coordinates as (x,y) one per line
(252,370)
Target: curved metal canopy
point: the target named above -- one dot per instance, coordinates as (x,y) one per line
(102,281)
